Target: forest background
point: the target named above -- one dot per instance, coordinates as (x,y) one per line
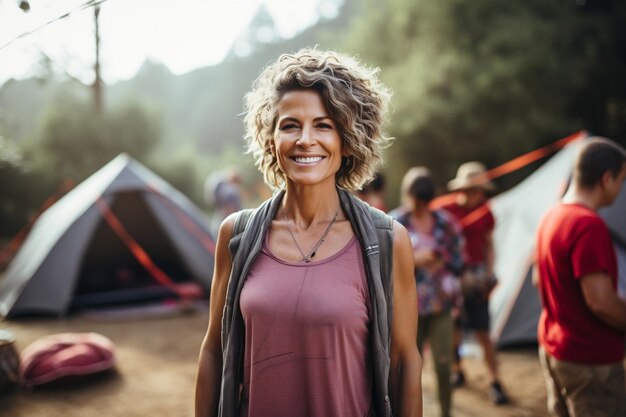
(472,80)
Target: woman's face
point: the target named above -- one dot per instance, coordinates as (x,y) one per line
(306,140)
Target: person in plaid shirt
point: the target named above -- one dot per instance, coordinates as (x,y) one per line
(437,242)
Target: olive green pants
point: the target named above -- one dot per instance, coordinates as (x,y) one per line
(436,330)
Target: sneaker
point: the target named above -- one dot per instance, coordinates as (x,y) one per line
(457,379)
(497,395)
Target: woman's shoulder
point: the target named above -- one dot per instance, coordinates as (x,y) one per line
(227,226)
(237,222)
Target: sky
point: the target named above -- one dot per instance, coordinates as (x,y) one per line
(181,34)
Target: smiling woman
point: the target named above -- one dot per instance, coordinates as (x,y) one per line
(353,99)
(306,285)
(307,145)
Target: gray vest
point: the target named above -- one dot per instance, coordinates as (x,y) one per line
(374,232)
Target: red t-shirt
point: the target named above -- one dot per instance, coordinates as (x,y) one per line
(573,241)
(475,231)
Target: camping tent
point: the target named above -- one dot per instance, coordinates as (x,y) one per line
(514,304)
(74,258)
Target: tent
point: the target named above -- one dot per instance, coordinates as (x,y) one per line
(514,305)
(74,258)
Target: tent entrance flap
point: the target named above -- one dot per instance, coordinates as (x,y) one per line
(110,273)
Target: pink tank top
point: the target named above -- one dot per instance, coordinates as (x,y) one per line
(307,334)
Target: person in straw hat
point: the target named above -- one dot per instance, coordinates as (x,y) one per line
(473,186)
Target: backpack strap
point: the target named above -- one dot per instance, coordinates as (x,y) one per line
(384,230)
(381,220)
(241,222)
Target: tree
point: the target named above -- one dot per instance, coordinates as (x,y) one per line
(23,188)
(489,80)
(76,140)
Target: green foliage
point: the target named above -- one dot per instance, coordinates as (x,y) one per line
(23,102)
(72,142)
(180,169)
(187,170)
(472,79)
(490,80)
(76,141)
(197,128)
(23,188)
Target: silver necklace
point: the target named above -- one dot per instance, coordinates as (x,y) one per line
(307,258)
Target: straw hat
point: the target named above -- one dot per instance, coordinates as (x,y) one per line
(470,175)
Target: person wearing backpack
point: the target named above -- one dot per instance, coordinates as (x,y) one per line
(312,309)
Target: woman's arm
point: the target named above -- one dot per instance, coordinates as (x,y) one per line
(210,363)
(405,377)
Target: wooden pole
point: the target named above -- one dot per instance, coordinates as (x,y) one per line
(97,84)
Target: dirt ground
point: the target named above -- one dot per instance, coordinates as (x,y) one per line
(156,367)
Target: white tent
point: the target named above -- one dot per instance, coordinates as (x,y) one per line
(514,304)
(72,257)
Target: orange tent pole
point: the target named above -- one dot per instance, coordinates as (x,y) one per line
(141,255)
(506,168)
(187,223)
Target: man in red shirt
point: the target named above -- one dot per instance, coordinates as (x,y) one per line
(477,223)
(583,320)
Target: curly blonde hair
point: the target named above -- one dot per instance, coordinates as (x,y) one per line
(353,96)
